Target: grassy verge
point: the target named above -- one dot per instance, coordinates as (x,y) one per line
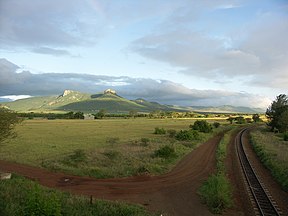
(216,191)
(20,196)
(102,148)
(273,153)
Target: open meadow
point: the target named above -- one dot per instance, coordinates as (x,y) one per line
(101,148)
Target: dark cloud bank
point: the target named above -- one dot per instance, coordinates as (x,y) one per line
(13,82)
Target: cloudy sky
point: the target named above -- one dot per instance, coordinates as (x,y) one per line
(187,52)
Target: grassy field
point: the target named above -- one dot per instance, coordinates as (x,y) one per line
(101,148)
(273,152)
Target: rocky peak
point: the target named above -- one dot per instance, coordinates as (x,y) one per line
(66,92)
(110,91)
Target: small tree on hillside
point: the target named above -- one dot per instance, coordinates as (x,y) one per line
(8,120)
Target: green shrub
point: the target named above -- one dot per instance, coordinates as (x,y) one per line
(159,130)
(285,136)
(202,126)
(216,124)
(78,156)
(112,154)
(216,193)
(165,152)
(39,203)
(145,141)
(172,133)
(187,135)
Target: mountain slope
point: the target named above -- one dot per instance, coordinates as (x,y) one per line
(77,101)
(109,101)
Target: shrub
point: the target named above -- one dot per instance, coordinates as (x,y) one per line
(202,126)
(39,203)
(78,156)
(145,141)
(216,124)
(187,135)
(165,152)
(112,154)
(159,131)
(285,136)
(172,133)
(216,193)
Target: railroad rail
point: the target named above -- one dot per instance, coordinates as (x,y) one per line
(263,203)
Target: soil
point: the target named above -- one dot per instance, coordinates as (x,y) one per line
(174,193)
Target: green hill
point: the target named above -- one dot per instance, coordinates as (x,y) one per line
(77,101)
(109,101)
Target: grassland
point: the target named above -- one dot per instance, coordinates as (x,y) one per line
(273,153)
(101,148)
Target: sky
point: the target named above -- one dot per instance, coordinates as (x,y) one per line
(184,52)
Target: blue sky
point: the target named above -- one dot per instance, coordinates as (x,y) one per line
(184,52)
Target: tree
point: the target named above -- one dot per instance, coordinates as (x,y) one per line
(79,115)
(256,118)
(274,112)
(202,126)
(230,119)
(132,113)
(240,120)
(283,122)
(100,114)
(8,120)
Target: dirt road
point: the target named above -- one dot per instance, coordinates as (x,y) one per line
(174,193)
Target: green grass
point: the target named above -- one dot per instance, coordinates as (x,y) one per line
(22,197)
(273,153)
(216,191)
(101,148)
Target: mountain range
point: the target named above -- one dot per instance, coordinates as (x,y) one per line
(110,101)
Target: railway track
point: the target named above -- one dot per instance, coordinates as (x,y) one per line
(262,202)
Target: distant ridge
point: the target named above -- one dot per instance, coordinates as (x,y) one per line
(110,101)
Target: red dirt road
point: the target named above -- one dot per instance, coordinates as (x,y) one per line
(174,193)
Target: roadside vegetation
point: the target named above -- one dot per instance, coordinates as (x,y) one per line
(19,196)
(270,144)
(272,150)
(216,191)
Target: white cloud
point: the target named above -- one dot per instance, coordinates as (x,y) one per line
(25,83)
(14,97)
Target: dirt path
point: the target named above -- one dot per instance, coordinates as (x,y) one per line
(174,193)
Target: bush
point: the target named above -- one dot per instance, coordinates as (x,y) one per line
(285,136)
(172,133)
(187,135)
(159,131)
(78,156)
(202,126)
(39,203)
(216,124)
(145,141)
(216,193)
(165,152)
